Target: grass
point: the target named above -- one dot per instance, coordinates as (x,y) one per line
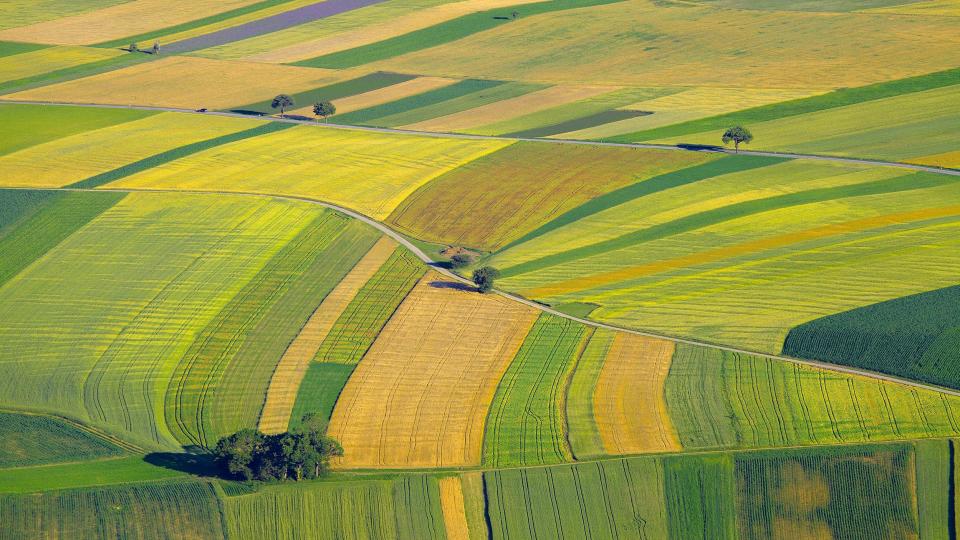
(40,124)
(934,474)
(837,493)
(405,107)
(10,48)
(439,34)
(420,395)
(584,122)
(501,198)
(319,390)
(603,499)
(838,98)
(402,507)
(700,498)
(582,428)
(19,204)
(54,218)
(374,171)
(66,74)
(722,400)
(220,385)
(101,472)
(178,152)
(44,60)
(526,424)
(80,159)
(27,440)
(156,510)
(332,92)
(913,336)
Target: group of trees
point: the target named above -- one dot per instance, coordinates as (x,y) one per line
(152,50)
(302,453)
(320,108)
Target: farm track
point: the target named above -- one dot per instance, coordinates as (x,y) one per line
(692,148)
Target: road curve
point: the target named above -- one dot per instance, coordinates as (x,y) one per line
(542,307)
(708,149)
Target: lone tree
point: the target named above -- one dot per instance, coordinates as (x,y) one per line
(483,278)
(515,14)
(324,109)
(133,48)
(737,134)
(155,48)
(282,102)
(460,260)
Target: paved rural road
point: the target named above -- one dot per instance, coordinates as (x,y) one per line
(709,149)
(429,261)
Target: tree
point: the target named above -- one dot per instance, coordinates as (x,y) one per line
(156,48)
(324,109)
(483,278)
(515,14)
(133,47)
(460,260)
(737,134)
(238,454)
(281,102)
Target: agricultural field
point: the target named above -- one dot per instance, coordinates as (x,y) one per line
(226,318)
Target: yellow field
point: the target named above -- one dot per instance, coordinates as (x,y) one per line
(682,45)
(78,157)
(509,108)
(420,396)
(185,82)
(376,32)
(115,22)
(628,402)
(946,159)
(20,66)
(935,8)
(698,102)
(285,383)
(454,514)
(383,95)
(368,172)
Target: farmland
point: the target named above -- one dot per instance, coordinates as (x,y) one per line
(226,319)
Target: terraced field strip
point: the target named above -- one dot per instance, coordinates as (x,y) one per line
(81,161)
(454,513)
(420,396)
(285,383)
(365,83)
(497,198)
(186,509)
(629,406)
(28,64)
(266,25)
(526,424)
(438,34)
(405,107)
(394,92)
(602,499)
(720,399)
(406,507)
(582,431)
(220,385)
(29,439)
(375,171)
(183,82)
(125,19)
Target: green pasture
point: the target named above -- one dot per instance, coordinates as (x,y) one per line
(40,124)
(27,439)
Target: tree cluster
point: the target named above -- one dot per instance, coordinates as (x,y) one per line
(302,453)
(483,278)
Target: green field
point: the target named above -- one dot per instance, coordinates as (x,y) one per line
(36,440)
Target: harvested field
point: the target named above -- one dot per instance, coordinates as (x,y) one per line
(420,396)
(183,82)
(28,64)
(292,367)
(266,25)
(117,21)
(629,405)
(454,513)
(368,172)
(70,159)
(498,198)
(380,96)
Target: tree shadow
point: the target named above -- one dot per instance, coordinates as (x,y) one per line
(195,464)
(456,285)
(248,112)
(700,147)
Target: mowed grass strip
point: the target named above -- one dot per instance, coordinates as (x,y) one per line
(721,400)
(373,172)
(359,85)
(439,34)
(36,124)
(406,106)
(526,424)
(293,365)
(80,160)
(220,385)
(185,509)
(503,196)
(27,439)
(583,433)
(420,395)
(629,405)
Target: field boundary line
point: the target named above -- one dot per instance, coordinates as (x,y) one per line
(442,135)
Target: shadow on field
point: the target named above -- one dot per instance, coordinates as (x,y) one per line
(247,111)
(196,464)
(452,285)
(700,147)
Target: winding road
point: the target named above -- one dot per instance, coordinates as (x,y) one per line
(536,305)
